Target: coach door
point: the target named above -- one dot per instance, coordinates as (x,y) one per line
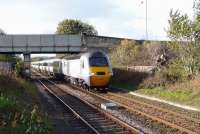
(67,68)
(82,67)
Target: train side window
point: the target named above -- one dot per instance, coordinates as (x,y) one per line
(45,64)
(82,64)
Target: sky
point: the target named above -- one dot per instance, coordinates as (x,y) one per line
(118,18)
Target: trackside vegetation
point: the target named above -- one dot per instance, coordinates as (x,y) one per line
(177,62)
(20,111)
(167,81)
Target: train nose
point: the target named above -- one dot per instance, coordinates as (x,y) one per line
(99,76)
(99,81)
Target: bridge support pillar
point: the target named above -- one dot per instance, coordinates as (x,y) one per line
(27,64)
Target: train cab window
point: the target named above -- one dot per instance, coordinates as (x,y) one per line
(98,61)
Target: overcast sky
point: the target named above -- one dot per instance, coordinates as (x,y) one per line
(121,18)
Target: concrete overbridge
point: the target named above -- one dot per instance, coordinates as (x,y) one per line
(52,43)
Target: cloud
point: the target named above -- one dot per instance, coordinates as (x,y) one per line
(121,18)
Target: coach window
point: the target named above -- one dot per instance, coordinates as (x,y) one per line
(82,64)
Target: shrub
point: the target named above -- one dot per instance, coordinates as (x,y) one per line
(132,53)
(170,74)
(23,122)
(124,53)
(6,102)
(153,81)
(19,68)
(174,72)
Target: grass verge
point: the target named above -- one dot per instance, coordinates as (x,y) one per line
(19,108)
(179,93)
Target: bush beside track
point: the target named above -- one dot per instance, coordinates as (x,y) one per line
(19,108)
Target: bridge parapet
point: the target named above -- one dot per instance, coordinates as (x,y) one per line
(40,43)
(53,43)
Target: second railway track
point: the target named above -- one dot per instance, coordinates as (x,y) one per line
(171,120)
(181,120)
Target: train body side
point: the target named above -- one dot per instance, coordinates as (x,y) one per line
(91,69)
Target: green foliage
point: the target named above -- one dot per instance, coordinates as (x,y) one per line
(185,36)
(7,57)
(174,72)
(123,54)
(131,53)
(17,122)
(180,26)
(18,113)
(19,67)
(6,102)
(28,86)
(153,81)
(171,95)
(70,26)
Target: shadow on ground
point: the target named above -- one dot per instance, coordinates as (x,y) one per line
(127,79)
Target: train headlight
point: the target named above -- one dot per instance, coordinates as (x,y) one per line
(110,72)
(92,74)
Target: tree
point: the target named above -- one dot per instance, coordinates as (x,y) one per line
(70,26)
(185,36)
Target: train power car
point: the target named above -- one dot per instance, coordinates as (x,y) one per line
(89,70)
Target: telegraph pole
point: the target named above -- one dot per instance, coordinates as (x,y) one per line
(146,23)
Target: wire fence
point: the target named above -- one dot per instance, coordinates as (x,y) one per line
(144,69)
(7,68)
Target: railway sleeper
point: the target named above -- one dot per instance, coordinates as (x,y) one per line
(110,130)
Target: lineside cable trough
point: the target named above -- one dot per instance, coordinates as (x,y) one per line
(110,106)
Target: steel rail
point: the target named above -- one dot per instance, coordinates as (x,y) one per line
(110,116)
(167,123)
(71,109)
(149,116)
(137,111)
(173,125)
(155,107)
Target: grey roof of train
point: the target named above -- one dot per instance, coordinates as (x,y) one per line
(88,54)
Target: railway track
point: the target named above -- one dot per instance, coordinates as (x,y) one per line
(191,114)
(63,119)
(178,123)
(173,119)
(96,120)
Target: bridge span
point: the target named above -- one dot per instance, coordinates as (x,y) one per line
(52,43)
